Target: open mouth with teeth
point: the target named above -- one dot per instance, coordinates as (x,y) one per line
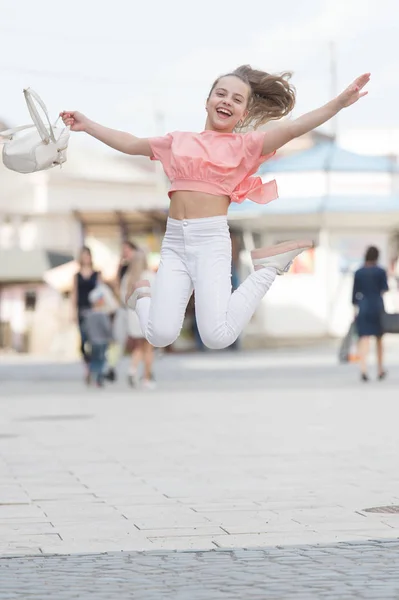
(224,113)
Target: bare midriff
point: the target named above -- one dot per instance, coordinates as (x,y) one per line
(197,205)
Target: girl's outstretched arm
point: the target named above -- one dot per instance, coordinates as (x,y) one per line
(119,140)
(280,135)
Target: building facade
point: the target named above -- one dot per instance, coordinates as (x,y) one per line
(343,200)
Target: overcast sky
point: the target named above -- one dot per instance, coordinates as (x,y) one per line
(122,61)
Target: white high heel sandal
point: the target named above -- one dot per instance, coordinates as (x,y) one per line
(141,289)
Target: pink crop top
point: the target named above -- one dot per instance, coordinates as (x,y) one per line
(215,163)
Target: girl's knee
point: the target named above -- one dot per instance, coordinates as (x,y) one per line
(216,340)
(162,334)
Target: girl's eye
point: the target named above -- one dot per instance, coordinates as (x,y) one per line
(219,94)
(238,101)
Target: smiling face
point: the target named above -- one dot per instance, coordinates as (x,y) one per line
(227,104)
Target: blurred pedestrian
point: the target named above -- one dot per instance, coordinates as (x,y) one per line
(123,341)
(99,334)
(142,351)
(370,283)
(128,252)
(84,282)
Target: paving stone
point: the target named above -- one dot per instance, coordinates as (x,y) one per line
(204,574)
(278,477)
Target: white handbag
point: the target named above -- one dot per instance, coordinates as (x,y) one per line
(41,149)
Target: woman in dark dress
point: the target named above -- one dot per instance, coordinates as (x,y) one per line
(370,283)
(85,281)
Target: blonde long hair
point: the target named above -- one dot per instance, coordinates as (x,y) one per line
(137,266)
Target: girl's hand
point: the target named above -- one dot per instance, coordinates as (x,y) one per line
(75,120)
(354,91)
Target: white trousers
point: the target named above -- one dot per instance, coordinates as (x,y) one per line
(196,255)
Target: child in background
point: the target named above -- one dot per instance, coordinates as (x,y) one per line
(99,333)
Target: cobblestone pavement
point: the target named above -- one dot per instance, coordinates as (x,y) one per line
(368,570)
(243,475)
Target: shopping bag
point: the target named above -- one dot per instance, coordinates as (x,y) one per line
(348,348)
(114,354)
(390,322)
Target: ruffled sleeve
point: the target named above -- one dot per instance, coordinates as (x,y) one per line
(254,144)
(161,148)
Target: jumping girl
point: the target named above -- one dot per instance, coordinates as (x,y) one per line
(208,170)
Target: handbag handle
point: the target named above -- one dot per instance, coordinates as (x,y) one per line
(8,133)
(30,95)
